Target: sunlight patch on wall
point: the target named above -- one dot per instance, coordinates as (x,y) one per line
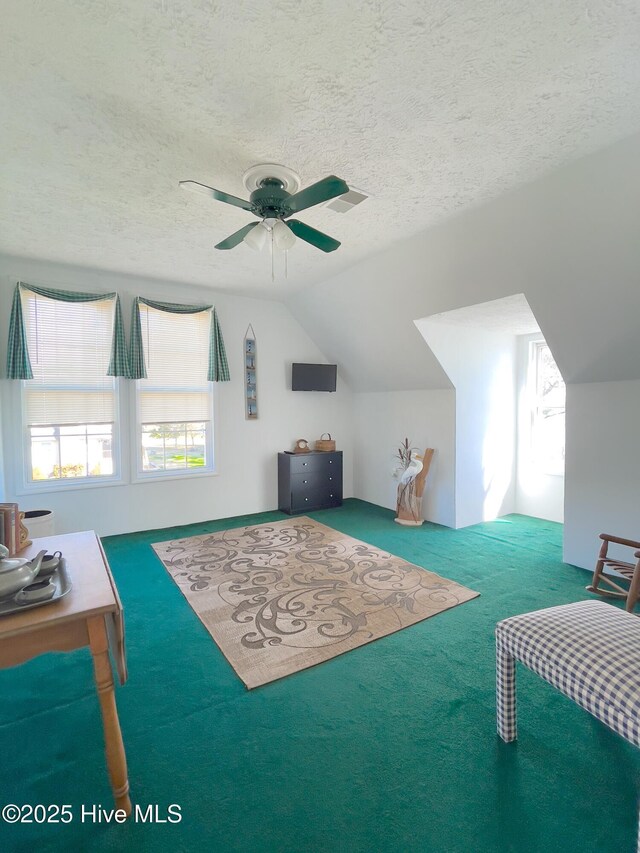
(476,346)
(499,439)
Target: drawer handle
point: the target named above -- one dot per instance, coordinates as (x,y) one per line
(305,481)
(330,496)
(306,499)
(331,478)
(304,464)
(330,462)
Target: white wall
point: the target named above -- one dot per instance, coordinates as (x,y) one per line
(481,365)
(602,467)
(246,451)
(381,423)
(569,242)
(537,493)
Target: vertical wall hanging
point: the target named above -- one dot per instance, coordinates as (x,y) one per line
(250,364)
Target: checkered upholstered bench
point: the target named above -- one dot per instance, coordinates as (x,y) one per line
(590,651)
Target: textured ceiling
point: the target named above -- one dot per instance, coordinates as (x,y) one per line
(510,315)
(430,108)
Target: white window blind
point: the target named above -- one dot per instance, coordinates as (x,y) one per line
(69,347)
(176,354)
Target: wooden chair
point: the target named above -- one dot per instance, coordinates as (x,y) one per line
(625,572)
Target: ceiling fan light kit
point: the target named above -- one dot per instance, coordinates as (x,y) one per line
(256,237)
(274,197)
(283,237)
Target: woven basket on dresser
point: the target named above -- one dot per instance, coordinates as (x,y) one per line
(326,444)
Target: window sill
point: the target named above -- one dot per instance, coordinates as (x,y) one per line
(48,488)
(169,478)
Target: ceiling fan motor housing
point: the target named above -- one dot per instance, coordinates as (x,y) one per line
(269,198)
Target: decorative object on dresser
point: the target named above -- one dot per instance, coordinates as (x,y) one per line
(309,481)
(301,446)
(411,487)
(250,365)
(326,444)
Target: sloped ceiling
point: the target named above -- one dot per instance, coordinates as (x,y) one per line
(510,315)
(430,108)
(568,242)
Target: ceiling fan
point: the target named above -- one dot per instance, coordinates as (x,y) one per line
(273,198)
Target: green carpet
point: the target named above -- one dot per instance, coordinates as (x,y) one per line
(391,747)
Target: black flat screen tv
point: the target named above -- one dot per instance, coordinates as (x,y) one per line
(313,377)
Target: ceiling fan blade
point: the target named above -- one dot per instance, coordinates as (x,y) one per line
(310,235)
(237,237)
(323,190)
(194,186)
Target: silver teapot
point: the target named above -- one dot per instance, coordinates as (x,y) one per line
(17,572)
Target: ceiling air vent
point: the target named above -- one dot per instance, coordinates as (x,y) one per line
(345,202)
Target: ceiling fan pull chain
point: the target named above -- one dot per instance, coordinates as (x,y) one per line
(272,275)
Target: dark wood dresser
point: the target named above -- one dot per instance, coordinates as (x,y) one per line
(309,481)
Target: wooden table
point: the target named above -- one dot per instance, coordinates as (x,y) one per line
(90,615)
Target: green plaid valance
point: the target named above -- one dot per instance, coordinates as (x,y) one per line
(18,362)
(218,366)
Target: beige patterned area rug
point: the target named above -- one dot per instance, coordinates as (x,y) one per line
(284,596)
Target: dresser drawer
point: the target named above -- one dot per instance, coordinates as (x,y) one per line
(304,503)
(301,463)
(329,478)
(313,492)
(316,481)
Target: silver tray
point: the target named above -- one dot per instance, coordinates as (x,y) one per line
(59,577)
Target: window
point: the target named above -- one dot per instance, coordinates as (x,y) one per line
(175,401)
(70,405)
(547,410)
